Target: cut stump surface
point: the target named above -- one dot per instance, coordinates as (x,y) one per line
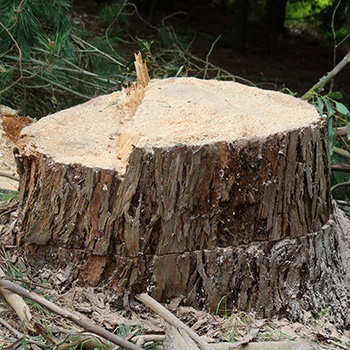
(214,186)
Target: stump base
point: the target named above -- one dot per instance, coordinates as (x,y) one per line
(295,278)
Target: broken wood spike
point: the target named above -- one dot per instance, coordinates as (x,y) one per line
(133,98)
(125,145)
(134,94)
(141,71)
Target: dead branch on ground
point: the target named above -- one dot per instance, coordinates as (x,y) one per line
(83,322)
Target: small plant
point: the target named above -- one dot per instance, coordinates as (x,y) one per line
(338,129)
(8,196)
(236,324)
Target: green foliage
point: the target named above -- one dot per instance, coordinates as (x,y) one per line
(328,17)
(38,23)
(115,13)
(8,195)
(47,65)
(338,115)
(302,10)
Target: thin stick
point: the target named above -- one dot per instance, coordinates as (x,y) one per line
(14,331)
(80,321)
(19,57)
(172,320)
(209,53)
(341,167)
(340,184)
(12,177)
(341,152)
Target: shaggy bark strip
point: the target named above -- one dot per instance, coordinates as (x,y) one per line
(190,197)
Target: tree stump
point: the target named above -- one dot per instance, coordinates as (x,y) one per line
(211,191)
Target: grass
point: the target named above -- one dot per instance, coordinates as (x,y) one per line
(7,196)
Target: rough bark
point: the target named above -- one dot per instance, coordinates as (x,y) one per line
(245,223)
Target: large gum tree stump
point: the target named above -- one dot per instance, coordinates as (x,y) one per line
(219,194)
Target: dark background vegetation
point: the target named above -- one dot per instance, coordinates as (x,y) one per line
(56,54)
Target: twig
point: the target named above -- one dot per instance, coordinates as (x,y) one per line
(341,167)
(327,78)
(340,184)
(79,320)
(16,344)
(12,177)
(172,320)
(172,15)
(116,17)
(142,339)
(19,10)
(208,54)
(345,203)
(14,331)
(229,75)
(62,87)
(76,69)
(334,40)
(19,58)
(340,152)
(79,41)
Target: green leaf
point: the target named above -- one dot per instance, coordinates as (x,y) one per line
(336,95)
(328,104)
(320,106)
(341,108)
(179,71)
(332,135)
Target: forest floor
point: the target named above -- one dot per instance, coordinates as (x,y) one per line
(129,318)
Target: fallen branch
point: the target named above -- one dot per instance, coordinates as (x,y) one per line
(14,331)
(12,177)
(79,320)
(172,320)
(327,78)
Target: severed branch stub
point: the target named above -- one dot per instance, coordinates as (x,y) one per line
(204,189)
